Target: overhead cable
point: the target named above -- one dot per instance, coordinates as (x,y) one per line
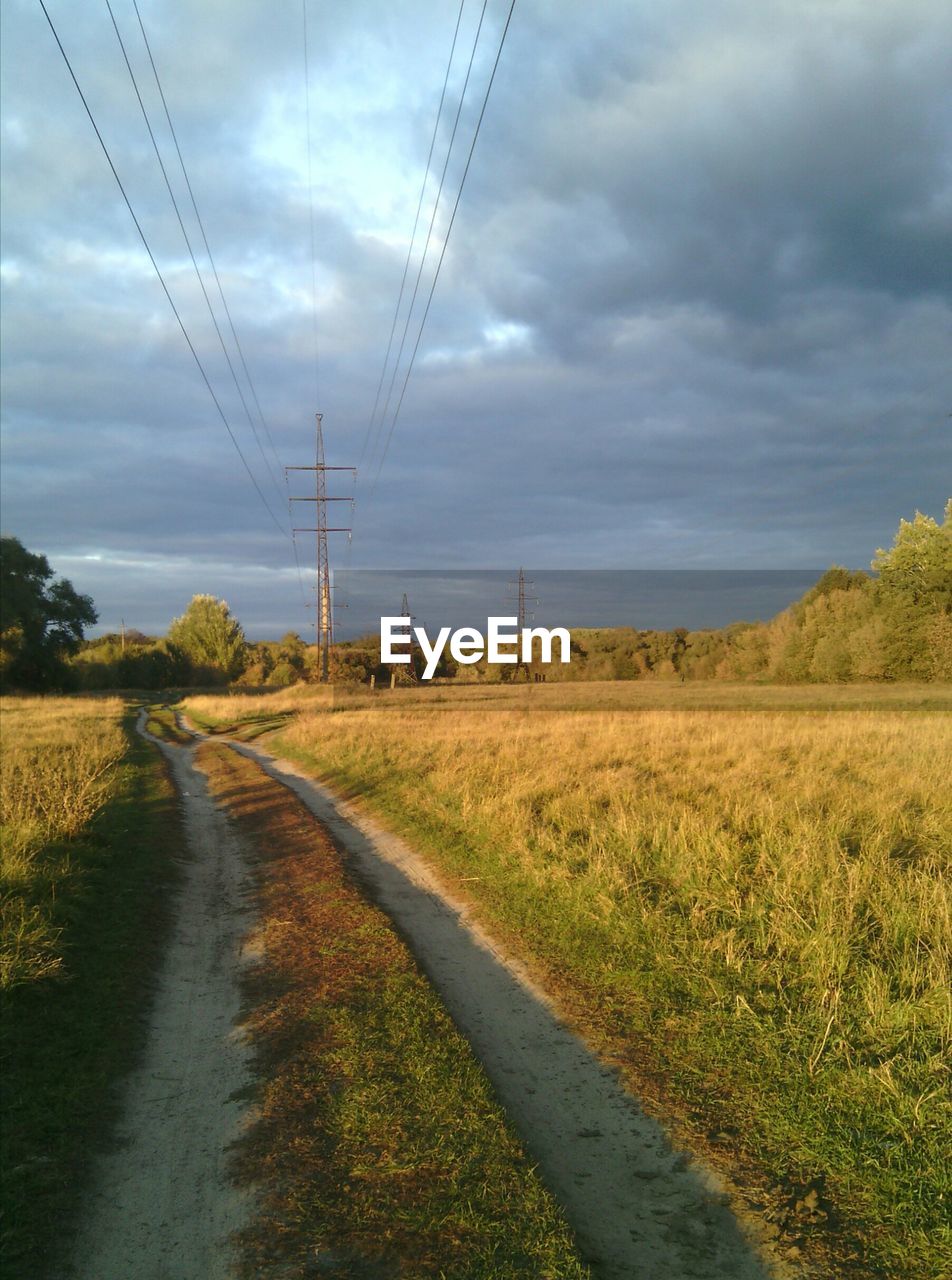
(155,267)
(416,222)
(201,224)
(446,239)
(429,234)
(188,245)
(310,194)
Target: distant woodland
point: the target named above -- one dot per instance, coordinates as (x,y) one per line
(893,623)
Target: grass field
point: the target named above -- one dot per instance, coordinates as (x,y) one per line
(742,893)
(89,832)
(58,768)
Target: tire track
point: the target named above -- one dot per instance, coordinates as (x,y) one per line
(161,1205)
(638,1207)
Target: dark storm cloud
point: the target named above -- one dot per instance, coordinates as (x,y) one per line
(696,309)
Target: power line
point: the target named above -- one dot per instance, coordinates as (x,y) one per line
(188,245)
(446,239)
(198,218)
(310,193)
(297,558)
(416,222)
(155,266)
(436,205)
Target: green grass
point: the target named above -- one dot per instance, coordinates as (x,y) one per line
(161,723)
(67,1035)
(422,1150)
(246,727)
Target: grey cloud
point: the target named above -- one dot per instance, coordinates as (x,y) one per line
(741,165)
(724,228)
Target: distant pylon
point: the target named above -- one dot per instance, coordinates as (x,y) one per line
(405,613)
(324,603)
(523,600)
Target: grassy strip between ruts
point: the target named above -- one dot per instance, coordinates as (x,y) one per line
(161,723)
(68,1035)
(246,728)
(746,910)
(378,1149)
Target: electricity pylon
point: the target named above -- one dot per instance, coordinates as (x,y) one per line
(405,613)
(324,604)
(524,599)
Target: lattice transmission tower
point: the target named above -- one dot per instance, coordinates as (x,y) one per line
(324,603)
(405,613)
(523,599)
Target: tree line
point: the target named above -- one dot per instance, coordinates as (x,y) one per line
(43,646)
(204,647)
(894,623)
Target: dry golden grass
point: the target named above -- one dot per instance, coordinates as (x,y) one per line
(808,850)
(812,844)
(58,767)
(91,835)
(566,695)
(229,708)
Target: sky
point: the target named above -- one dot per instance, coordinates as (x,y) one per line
(694,312)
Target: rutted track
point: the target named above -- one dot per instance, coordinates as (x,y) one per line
(161,1205)
(638,1208)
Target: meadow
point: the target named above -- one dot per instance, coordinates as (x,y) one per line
(57,769)
(740,893)
(89,834)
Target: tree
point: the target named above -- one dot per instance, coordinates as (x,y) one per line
(940,646)
(354,663)
(210,637)
(836,578)
(293,651)
(918,566)
(41,619)
(915,590)
(747,651)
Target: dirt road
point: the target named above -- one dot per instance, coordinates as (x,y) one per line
(161,1206)
(638,1208)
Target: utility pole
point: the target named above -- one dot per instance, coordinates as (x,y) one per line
(523,600)
(405,613)
(324,604)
